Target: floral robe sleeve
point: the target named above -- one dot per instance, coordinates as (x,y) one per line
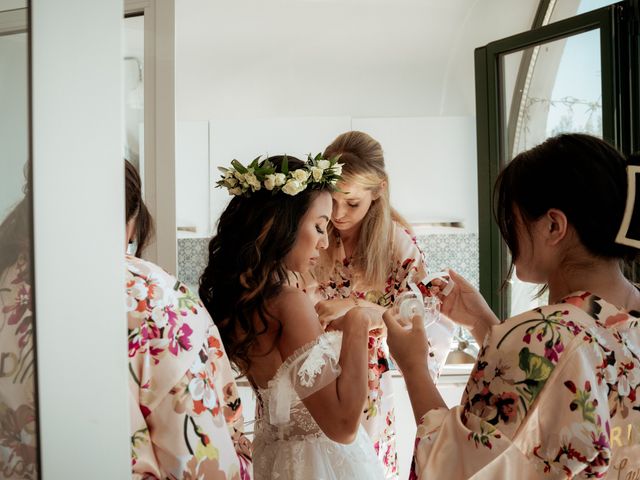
(18,432)
(186,417)
(552,395)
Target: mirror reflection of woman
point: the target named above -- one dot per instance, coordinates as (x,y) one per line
(371,258)
(554,392)
(310,385)
(18,429)
(186,416)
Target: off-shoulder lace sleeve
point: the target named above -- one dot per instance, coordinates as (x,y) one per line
(310,368)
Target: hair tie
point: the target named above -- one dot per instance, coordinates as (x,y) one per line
(629,232)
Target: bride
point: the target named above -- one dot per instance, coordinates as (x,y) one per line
(310,390)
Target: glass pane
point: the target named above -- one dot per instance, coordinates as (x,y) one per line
(550,89)
(18,410)
(133,88)
(569,8)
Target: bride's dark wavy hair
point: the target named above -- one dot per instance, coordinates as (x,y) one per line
(246,263)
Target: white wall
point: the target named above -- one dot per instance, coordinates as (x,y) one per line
(79,239)
(430,172)
(192,178)
(430,177)
(402,71)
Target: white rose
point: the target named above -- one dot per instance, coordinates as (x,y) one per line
(300,175)
(323,164)
(231,182)
(280,179)
(235,191)
(337,169)
(293,187)
(316,172)
(251,179)
(238,175)
(269,181)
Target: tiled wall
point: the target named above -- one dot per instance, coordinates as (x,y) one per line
(458,251)
(442,250)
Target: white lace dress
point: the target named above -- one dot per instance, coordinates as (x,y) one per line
(288,443)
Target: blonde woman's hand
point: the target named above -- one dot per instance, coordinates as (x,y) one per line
(467,307)
(408,343)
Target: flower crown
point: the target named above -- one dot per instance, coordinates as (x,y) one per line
(317,171)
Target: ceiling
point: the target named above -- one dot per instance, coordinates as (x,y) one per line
(359,58)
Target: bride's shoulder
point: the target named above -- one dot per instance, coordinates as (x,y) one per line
(289,298)
(294,308)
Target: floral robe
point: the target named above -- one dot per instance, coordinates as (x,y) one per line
(552,395)
(186,417)
(407,265)
(18,433)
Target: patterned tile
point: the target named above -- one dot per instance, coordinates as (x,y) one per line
(458,251)
(193,255)
(441,250)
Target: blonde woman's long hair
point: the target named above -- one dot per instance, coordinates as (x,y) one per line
(363,162)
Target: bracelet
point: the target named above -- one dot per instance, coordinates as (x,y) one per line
(356,301)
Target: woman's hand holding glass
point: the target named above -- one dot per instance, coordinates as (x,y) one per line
(407,340)
(464,305)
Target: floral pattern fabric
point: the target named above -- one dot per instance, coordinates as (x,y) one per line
(406,265)
(553,395)
(18,432)
(186,415)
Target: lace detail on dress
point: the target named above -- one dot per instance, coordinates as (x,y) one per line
(288,443)
(317,359)
(310,368)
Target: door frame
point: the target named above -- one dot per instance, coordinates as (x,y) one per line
(159,171)
(490,120)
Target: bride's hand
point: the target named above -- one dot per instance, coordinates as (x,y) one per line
(369,314)
(330,310)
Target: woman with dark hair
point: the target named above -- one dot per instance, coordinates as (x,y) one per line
(139,227)
(311,386)
(554,390)
(186,416)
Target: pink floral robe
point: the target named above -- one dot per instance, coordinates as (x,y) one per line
(554,394)
(406,265)
(18,433)
(186,416)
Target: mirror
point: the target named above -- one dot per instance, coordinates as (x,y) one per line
(18,405)
(133,91)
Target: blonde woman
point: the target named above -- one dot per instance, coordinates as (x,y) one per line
(371,258)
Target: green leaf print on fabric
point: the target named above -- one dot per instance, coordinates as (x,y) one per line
(583,401)
(537,370)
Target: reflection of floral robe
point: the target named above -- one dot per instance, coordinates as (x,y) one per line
(18,440)
(186,417)
(553,395)
(406,265)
